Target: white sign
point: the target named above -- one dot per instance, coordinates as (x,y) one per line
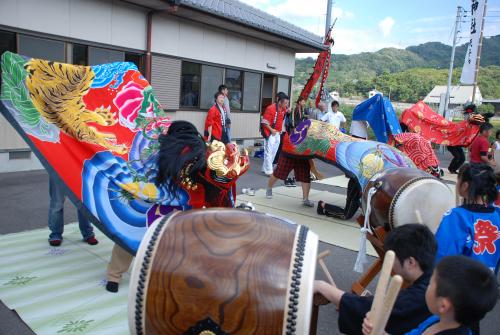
(476,15)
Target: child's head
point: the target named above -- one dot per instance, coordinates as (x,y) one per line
(415,248)
(462,287)
(486,129)
(477,181)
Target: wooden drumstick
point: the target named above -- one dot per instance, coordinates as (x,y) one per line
(419,217)
(384,313)
(383,282)
(324,268)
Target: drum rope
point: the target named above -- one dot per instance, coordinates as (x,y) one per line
(361,259)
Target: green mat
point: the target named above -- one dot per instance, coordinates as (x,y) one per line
(61,290)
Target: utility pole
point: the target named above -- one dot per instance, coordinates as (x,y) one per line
(450,73)
(328,16)
(479,49)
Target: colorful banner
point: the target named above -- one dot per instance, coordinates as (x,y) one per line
(421,119)
(471,56)
(96,128)
(358,158)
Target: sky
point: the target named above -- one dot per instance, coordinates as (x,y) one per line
(367,25)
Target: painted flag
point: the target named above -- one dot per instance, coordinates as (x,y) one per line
(471,57)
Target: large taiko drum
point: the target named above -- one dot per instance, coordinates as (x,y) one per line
(407,195)
(223,271)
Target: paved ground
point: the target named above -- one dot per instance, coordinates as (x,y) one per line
(24,199)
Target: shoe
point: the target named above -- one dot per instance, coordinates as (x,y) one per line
(55,243)
(308,203)
(269,193)
(292,182)
(92,240)
(288,182)
(111,286)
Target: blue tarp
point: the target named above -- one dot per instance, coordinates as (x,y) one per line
(380,114)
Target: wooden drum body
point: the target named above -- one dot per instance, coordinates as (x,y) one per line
(407,195)
(223,271)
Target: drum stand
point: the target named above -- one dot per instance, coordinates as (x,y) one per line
(376,239)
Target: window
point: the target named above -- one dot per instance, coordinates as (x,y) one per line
(137,59)
(41,48)
(80,56)
(211,78)
(251,91)
(234,85)
(102,56)
(284,85)
(7,41)
(21,154)
(190,84)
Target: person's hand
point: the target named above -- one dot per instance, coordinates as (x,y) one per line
(367,326)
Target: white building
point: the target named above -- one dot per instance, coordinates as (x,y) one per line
(459,96)
(186,48)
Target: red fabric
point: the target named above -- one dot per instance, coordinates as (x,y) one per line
(301,168)
(269,115)
(418,149)
(421,119)
(321,67)
(480,144)
(214,119)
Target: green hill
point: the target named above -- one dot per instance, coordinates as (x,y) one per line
(408,74)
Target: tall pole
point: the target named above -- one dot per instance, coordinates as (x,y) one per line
(479,49)
(450,72)
(328,16)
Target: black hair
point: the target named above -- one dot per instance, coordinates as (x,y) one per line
(335,102)
(181,146)
(216,95)
(497,134)
(469,285)
(485,126)
(221,88)
(282,96)
(481,180)
(413,240)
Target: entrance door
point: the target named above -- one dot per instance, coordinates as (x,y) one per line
(268,90)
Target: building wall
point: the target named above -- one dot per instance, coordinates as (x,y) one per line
(172,36)
(104,21)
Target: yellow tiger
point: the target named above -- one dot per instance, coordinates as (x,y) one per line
(57,91)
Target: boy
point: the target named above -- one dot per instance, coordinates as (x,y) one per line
(334,117)
(479,149)
(415,249)
(460,294)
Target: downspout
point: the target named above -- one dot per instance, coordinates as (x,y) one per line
(149,31)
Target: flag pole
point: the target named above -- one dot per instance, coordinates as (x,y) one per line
(479,49)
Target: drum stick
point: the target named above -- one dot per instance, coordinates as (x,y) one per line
(384,313)
(419,217)
(383,281)
(324,268)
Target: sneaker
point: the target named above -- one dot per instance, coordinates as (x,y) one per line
(288,182)
(112,286)
(55,243)
(308,203)
(292,182)
(92,240)
(269,193)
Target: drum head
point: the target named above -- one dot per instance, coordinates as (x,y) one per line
(421,201)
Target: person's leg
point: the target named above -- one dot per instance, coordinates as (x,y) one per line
(275,147)
(56,218)
(118,264)
(306,188)
(281,171)
(85,226)
(267,164)
(452,167)
(302,171)
(461,157)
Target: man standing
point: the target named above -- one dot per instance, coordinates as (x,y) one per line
(56,217)
(224,90)
(359,129)
(317,114)
(271,124)
(334,117)
(216,121)
(480,147)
